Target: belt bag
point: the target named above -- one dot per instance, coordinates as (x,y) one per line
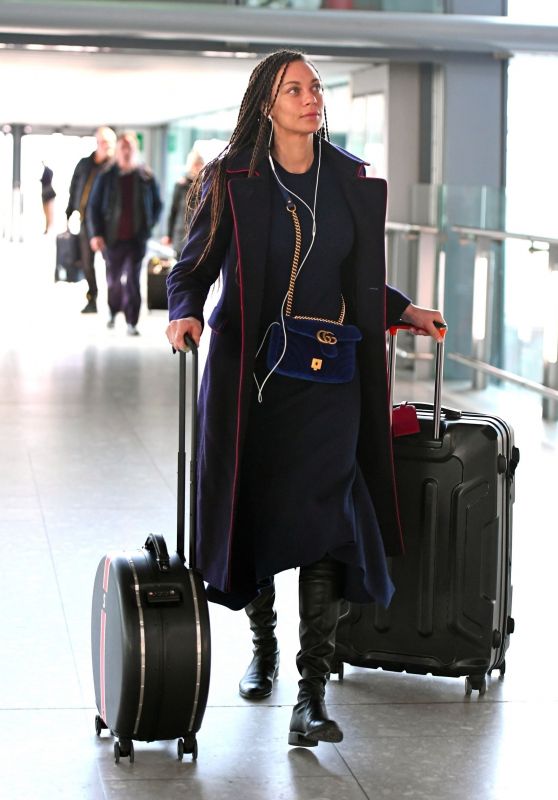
(317,350)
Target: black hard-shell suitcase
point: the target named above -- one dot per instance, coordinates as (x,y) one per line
(68,258)
(157,272)
(150,635)
(451,612)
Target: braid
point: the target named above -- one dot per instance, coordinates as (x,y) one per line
(324,130)
(252,129)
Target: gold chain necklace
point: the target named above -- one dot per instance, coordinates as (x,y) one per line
(291,208)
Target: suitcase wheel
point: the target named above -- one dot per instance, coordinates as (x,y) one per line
(501,667)
(123,749)
(477,682)
(187,745)
(337,668)
(99,725)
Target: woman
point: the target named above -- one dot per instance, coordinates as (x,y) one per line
(293,471)
(47,196)
(178,220)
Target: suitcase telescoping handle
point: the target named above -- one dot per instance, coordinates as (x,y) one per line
(438,376)
(181,493)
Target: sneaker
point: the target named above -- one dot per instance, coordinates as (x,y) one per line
(132,330)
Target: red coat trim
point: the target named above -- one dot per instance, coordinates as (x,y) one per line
(239,396)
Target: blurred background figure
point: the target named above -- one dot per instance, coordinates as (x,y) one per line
(47,196)
(178,221)
(123,207)
(82,182)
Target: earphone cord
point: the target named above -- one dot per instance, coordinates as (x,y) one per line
(286,193)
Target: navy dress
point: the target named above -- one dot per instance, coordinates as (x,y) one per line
(302,494)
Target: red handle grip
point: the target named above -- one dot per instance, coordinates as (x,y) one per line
(442,327)
(405,326)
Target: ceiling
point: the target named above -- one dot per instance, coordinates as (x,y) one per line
(86,89)
(79,64)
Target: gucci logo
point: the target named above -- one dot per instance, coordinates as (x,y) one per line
(326,337)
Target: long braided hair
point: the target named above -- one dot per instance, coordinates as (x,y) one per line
(252,130)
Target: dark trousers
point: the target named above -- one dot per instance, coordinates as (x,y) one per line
(88,263)
(123,260)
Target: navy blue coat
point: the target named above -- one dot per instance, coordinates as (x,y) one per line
(239,254)
(103,208)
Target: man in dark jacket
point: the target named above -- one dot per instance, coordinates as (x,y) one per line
(82,182)
(124,206)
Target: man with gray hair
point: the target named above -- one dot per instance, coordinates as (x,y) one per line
(82,182)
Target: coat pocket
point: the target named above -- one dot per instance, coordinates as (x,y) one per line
(218,319)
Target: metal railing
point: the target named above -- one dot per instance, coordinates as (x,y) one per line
(484,241)
(502,236)
(430,272)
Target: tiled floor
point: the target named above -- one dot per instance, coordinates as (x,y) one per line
(87,437)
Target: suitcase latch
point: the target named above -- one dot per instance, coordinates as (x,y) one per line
(164,596)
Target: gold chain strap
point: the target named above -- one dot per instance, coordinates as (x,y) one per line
(291,208)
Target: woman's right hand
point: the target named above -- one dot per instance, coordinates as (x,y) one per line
(178,328)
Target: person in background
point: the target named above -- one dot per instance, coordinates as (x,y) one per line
(81,184)
(47,196)
(123,207)
(178,220)
(295,466)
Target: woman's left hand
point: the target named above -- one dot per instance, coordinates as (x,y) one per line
(422,321)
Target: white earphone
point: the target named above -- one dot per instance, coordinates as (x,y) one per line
(312,212)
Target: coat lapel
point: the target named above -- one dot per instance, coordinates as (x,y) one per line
(367,200)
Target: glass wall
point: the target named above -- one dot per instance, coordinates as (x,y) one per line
(210,132)
(6,164)
(447,208)
(366,132)
(522,281)
(60,153)
(531,206)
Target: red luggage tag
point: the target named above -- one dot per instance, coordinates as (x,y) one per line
(404,420)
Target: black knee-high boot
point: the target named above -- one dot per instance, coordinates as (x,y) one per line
(319,612)
(257,681)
